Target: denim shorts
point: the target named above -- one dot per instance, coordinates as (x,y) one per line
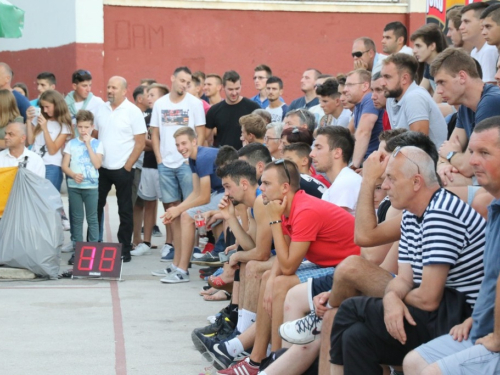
(459,358)
(54,174)
(215,199)
(175,183)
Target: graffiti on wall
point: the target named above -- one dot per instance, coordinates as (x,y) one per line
(436,10)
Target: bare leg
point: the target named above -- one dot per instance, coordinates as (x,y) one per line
(282,284)
(295,360)
(187,242)
(149,219)
(414,364)
(138,217)
(296,306)
(262,326)
(240,285)
(253,275)
(324,353)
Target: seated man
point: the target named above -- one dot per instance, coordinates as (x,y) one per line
(472,347)
(253,129)
(297,234)
(207,192)
(329,99)
(299,154)
(333,148)
(300,118)
(440,271)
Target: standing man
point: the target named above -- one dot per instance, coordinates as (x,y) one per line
(394,39)
(276,107)
(485,54)
(44,81)
(367,123)
(408,105)
(260,76)
(365,56)
(490,31)
(170,113)
(81,97)
(6,75)
(307,87)
(212,87)
(120,127)
(225,115)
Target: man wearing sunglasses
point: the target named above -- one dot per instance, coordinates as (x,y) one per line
(365,56)
(440,269)
(81,97)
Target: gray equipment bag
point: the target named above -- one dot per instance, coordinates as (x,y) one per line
(31,232)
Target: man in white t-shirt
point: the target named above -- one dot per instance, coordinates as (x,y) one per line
(333,148)
(485,54)
(121,128)
(81,97)
(16,152)
(171,112)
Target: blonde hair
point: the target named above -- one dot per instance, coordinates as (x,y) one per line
(8,108)
(61,112)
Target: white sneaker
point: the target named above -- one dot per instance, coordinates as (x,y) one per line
(65,224)
(166,249)
(141,249)
(69,248)
(175,278)
(301,331)
(164,271)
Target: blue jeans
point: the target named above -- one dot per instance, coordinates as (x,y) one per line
(78,198)
(175,183)
(54,174)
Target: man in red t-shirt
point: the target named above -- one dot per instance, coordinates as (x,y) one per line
(303,227)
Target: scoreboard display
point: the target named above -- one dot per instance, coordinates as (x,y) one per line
(98,260)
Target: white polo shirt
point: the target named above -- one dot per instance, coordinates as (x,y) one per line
(117,129)
(35,163)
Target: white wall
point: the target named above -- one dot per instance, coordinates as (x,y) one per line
(53,23)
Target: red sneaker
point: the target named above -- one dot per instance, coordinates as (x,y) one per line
(241,368)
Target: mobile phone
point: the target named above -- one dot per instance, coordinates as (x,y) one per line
(38,112)
(223,257)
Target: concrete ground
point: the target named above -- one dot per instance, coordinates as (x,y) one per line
(98,327)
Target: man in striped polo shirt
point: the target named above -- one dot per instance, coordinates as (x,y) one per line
(440,269)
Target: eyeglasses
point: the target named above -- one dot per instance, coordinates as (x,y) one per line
(397,151)
(282,161)
(354,83)
(267,139)
(358,54)
(259,78)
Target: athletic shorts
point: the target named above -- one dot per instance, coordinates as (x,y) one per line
(149,187)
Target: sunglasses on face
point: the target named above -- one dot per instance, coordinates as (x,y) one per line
(358,54)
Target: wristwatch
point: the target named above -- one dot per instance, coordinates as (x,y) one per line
(450,155)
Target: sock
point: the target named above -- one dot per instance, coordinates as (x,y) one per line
(234,347)
(254,364)
(233,314)
(248,319)
(268,352)
(173,266)
(262,373)
(147,243)
(240,320)
(180,270)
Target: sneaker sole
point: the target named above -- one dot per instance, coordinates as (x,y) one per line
(173,281)
(198,344)
(158,234)
(205,263)
(167,260)
(295,342)
(138,255)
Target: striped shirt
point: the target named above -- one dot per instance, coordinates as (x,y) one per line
(449,232)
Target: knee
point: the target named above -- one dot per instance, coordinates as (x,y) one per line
(252,269)
(186,219)
(412,363)
(280,286)
(348,269)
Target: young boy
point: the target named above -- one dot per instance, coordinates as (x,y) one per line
(81,161)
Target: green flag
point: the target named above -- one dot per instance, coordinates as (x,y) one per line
(11,20)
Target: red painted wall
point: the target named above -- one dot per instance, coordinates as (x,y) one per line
(152,42)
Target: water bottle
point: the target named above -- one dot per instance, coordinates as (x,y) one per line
(199,221)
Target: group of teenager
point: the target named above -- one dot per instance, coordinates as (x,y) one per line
(357,224)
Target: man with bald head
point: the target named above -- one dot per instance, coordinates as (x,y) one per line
(440,269)
(16,152)
(121,128)
(6,75)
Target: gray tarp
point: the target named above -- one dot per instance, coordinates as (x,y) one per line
(31,233)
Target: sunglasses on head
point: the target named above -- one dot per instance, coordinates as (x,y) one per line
(81,73)
(397,151)
(282,161)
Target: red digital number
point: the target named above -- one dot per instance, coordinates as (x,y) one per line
(87,258)
(110,258)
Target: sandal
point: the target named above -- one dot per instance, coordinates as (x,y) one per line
(221,295)
(208,292)
(218,283)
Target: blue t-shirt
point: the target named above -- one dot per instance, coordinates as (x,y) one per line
(34,102)
(22,103)
(301,103)
(264,104)
(484,309)
(487,107)
(204,165)
(80,163)
(366,106)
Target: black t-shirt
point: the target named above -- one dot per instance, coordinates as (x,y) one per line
(312,186)
(149,156)
(226,118)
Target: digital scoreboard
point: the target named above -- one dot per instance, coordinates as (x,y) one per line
(98,260)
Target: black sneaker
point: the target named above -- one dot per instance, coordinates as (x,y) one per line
(222,359)
(157,232)
(71,260)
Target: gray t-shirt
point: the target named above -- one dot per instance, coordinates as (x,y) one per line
(417,105)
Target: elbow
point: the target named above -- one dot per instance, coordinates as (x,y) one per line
(287,270)
(372,256)
(362,240)
(262,257)
(429,304)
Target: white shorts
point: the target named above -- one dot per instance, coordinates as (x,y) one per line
(149,187)
(215,199)
(460,358)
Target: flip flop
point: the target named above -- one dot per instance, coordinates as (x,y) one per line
(208,292)
(218,283)
(221,295)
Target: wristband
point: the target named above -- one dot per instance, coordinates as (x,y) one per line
(274,222)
